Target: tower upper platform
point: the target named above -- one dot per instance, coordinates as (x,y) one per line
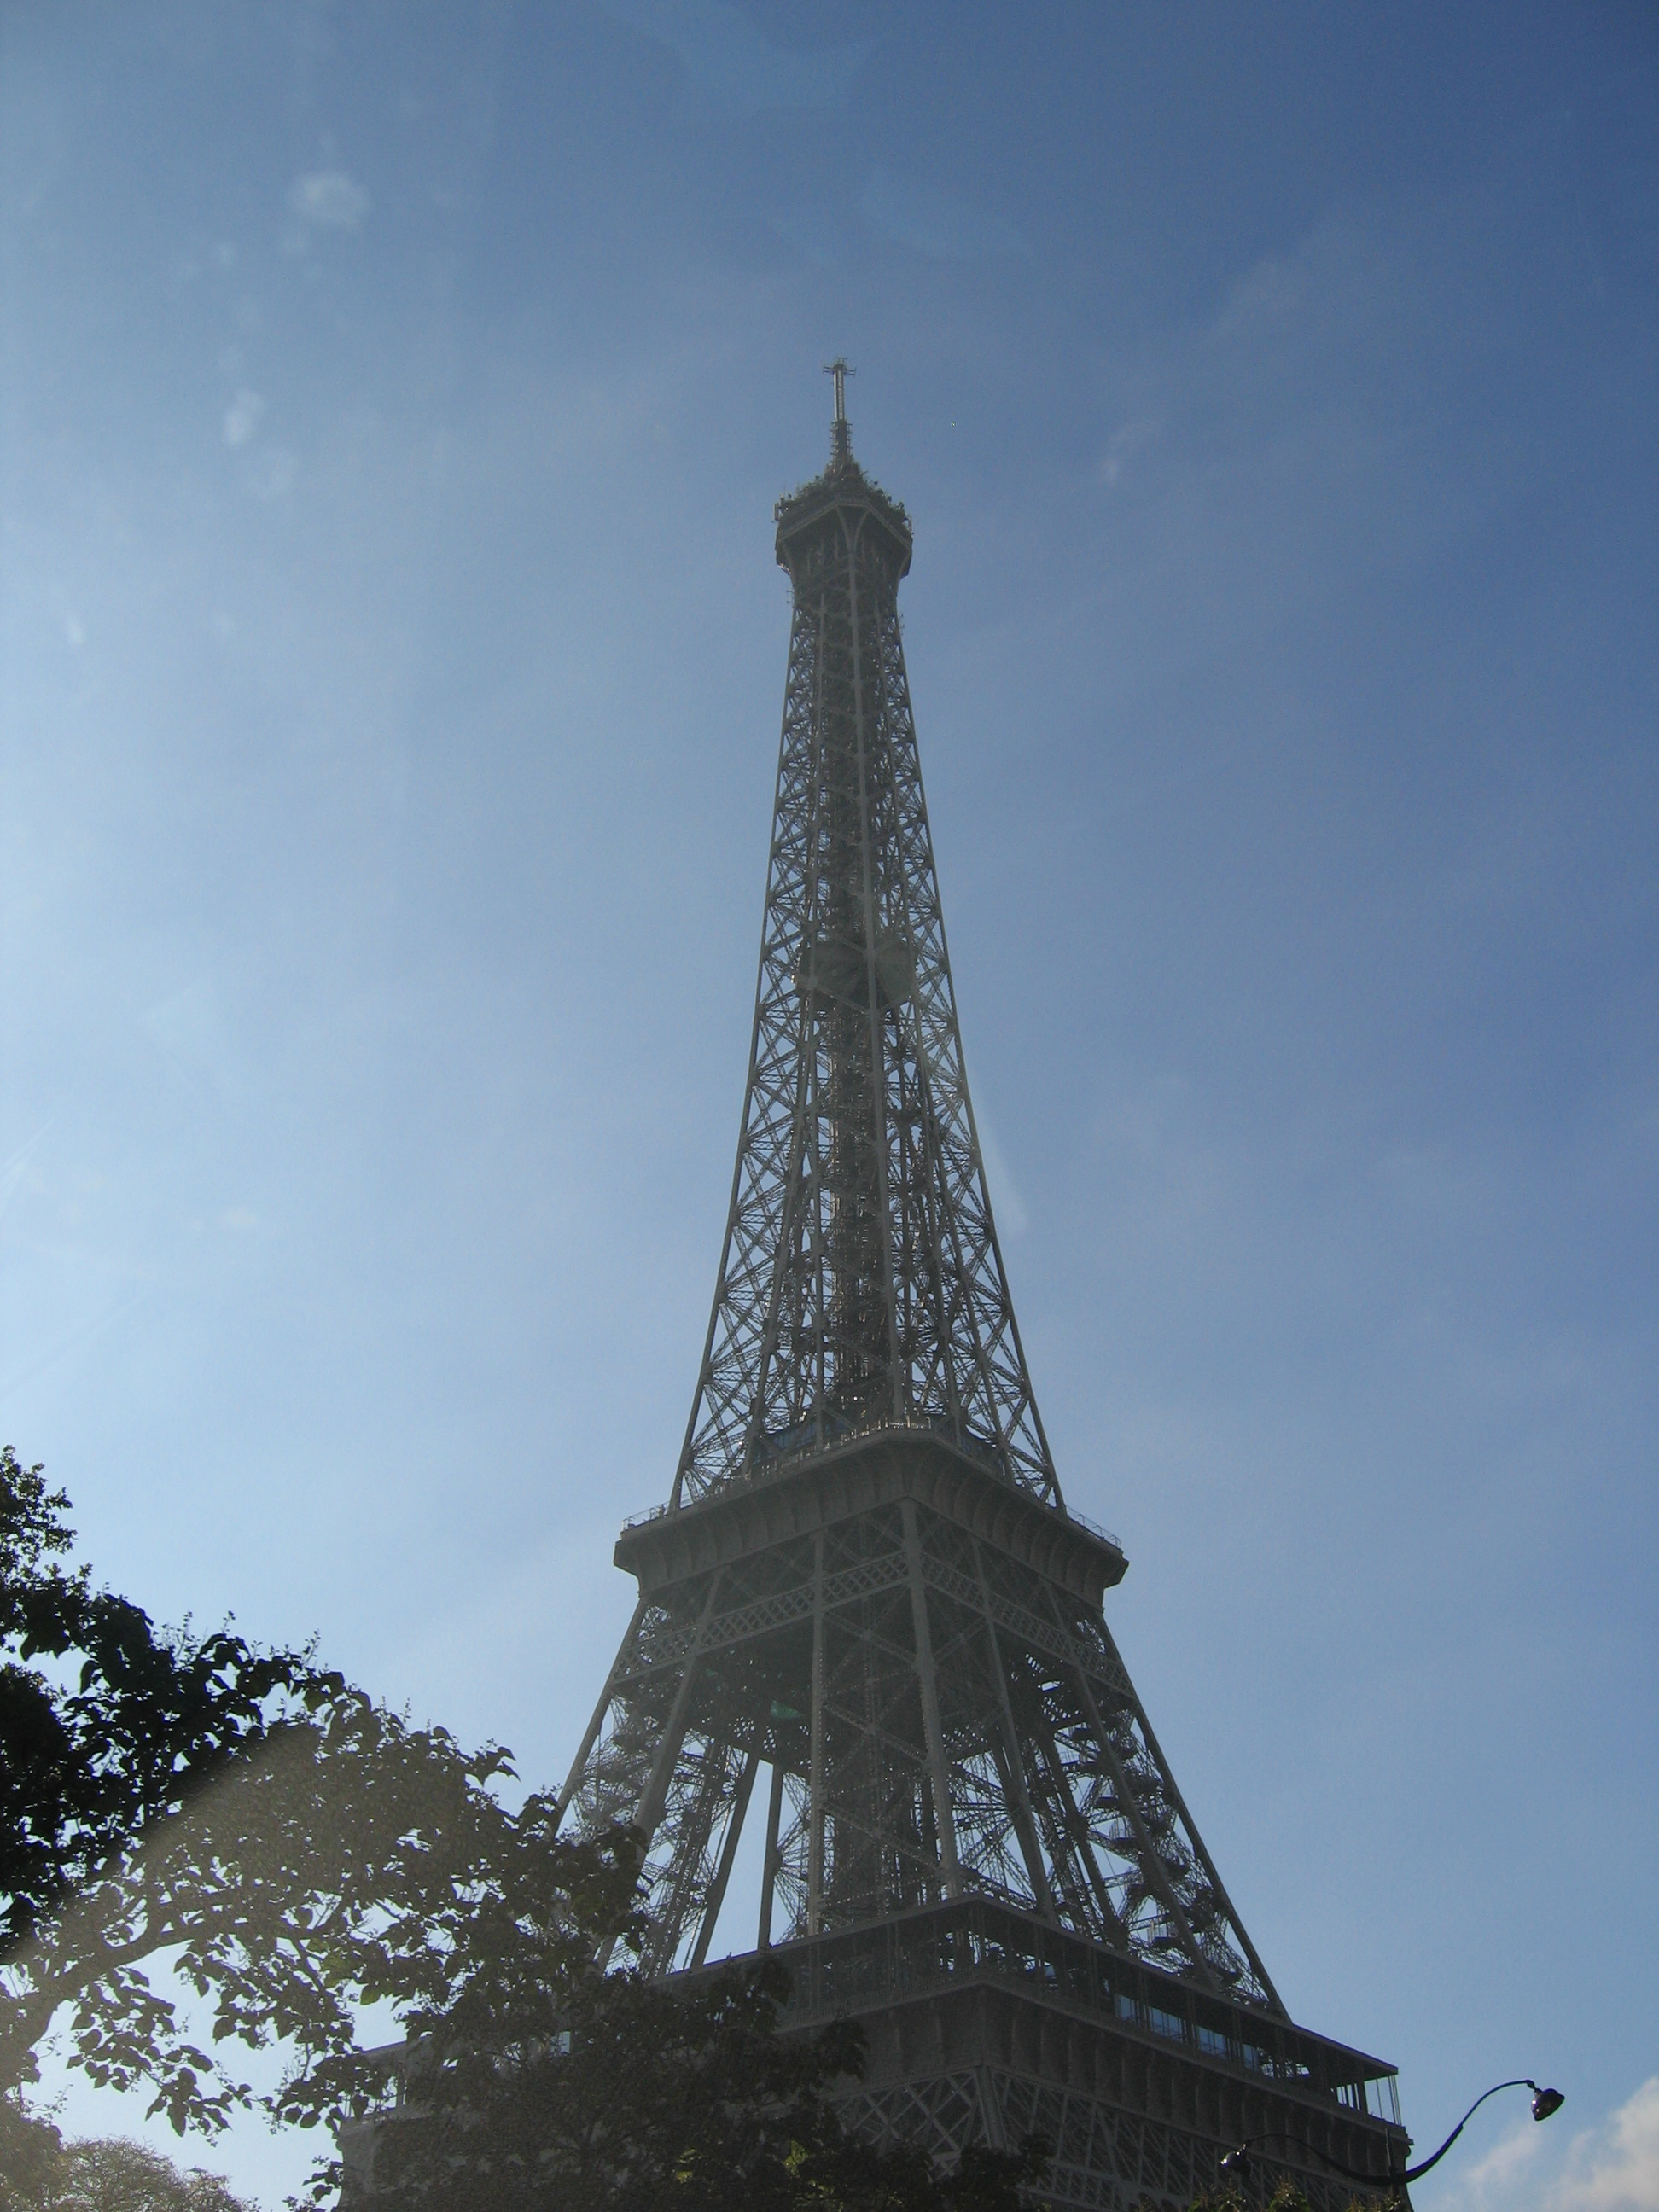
(844,495)
(843,492)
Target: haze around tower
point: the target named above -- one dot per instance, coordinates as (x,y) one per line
(390,420)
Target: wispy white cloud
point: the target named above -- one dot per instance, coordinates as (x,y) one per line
(14,1171)
(922,215)
(273,471)
(242,417)
(1610,2166)
(330,199)
(1124,443)
(1614,2166)
(1493,2181)
(737,66)
(1013,1215)
(1252,458)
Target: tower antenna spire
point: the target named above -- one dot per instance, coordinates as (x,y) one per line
(841,445)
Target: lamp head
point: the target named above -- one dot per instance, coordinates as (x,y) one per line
(1237,2162)
(1545,2101)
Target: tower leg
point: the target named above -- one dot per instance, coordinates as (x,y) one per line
(579,1762)
(929,1686)
(729,1851)
(815,1796)
(769,1873)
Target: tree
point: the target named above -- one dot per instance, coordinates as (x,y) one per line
(543,2082)
(655,2095)
(111,2174)
(150,1721)
(1287,2197)
(300,1851)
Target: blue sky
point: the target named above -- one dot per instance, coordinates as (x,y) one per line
(392,404)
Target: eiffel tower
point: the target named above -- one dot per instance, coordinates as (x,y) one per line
(870,1632)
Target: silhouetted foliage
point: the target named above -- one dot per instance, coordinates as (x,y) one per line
(1287,2197)
(28,2150)
(89,1765)
(111,2174)
(300,1851)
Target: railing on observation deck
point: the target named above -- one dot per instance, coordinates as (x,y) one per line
(977,1939)
(780,1450)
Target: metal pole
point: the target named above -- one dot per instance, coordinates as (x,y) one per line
(815,1798)
(944,1816)
(579,1762)
(1025,1818)
(728,1852)
(769,1871)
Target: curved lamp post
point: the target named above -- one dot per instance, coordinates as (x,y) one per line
(1544,2102)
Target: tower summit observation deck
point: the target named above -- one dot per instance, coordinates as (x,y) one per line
(868,1625)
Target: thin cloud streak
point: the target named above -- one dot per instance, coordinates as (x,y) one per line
(916,212)
(736,68)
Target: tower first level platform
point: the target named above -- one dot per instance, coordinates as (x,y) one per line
(885,1661)
(986,2024)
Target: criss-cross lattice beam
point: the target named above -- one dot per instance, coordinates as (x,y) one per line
(860,1279)
(938,1716)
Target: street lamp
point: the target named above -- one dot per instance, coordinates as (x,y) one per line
(1544,2102)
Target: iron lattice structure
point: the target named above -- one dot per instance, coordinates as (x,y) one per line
(866,1588)
(861,1282)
